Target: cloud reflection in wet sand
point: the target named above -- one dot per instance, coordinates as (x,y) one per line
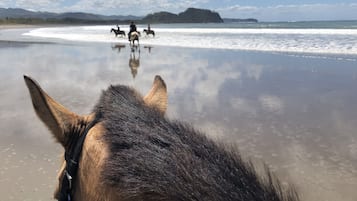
(296,114)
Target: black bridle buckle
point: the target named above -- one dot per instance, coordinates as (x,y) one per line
(69,178)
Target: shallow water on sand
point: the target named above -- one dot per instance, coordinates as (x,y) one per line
(296,112)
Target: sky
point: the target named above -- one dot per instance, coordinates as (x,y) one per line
(263,10)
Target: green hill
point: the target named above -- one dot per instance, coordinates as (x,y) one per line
(191,15)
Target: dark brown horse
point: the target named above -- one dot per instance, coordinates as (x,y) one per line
(127,150)
(117,32)
(152,32)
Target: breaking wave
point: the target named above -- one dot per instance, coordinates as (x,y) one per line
(322,41)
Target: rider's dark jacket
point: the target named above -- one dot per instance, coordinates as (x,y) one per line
(132,27)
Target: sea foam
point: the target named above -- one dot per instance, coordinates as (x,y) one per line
(322,41)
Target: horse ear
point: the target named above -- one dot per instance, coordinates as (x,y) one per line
(157,96)
(56,117)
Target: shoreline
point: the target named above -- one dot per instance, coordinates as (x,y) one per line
(26,26)
(17,26)
(10,31)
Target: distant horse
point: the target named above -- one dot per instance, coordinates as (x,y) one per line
(126,149)
(117,32)
(152,32)
(134,36)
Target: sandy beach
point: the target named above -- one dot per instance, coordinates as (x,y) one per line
(294,112)
(16,26)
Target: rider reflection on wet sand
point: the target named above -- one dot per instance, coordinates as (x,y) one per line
(134,63)
(134,56)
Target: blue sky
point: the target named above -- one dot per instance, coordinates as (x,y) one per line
(263,10)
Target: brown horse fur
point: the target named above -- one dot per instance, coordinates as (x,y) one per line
(135,153)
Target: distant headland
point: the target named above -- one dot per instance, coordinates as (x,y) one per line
(190,15)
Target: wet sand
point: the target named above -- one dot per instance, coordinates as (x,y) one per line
(16,26)
(297,113)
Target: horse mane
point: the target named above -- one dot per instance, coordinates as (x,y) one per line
(154,158)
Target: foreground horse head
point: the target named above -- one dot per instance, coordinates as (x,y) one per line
(131,151)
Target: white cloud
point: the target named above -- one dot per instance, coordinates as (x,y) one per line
(255,71)
(294,12)
(38,4)
(272,103)
(238,8)
(5,3)
(139,7)
(106,7)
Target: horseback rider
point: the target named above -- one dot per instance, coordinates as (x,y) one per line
(132,29)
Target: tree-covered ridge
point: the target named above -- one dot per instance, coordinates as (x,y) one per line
(191,15)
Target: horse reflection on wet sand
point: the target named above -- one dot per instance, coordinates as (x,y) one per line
(118,47)
(128,150)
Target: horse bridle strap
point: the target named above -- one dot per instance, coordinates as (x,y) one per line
(72,159)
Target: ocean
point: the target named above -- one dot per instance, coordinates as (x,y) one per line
(333,38)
